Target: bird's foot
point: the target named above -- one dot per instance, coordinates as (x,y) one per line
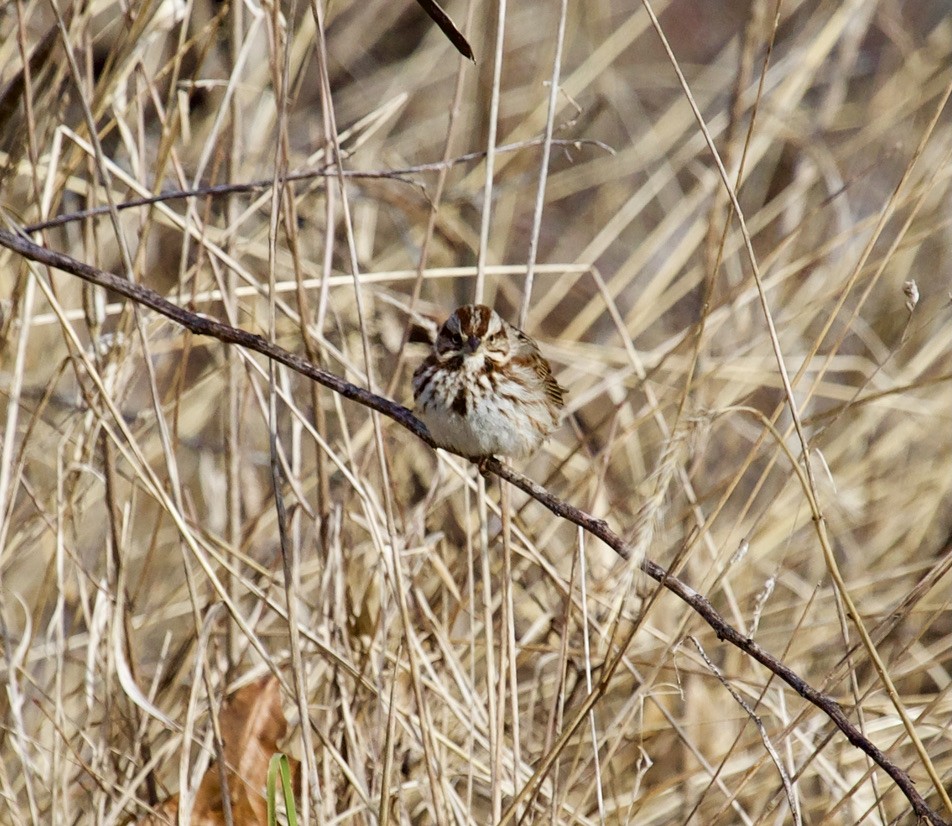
(482,464)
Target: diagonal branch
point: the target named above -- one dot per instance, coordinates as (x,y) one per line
(204,326)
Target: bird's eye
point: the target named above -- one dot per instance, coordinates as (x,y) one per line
(456,338)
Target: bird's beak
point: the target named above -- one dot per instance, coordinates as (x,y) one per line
(472,344)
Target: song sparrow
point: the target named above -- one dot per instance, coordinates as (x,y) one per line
(486,390)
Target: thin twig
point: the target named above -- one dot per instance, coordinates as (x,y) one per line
(327,171)
(761,729)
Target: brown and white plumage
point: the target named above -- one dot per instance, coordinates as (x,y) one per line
(486,390)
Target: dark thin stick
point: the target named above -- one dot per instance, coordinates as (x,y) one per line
(203,326)
(448,27)
(329,171)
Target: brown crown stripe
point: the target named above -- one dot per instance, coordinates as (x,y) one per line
(474,319)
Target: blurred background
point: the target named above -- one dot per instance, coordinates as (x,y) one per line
(438,663)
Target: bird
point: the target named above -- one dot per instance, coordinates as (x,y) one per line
(485,390)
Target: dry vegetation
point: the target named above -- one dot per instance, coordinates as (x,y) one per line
(444,632)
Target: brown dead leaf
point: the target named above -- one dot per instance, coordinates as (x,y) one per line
(252,723)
